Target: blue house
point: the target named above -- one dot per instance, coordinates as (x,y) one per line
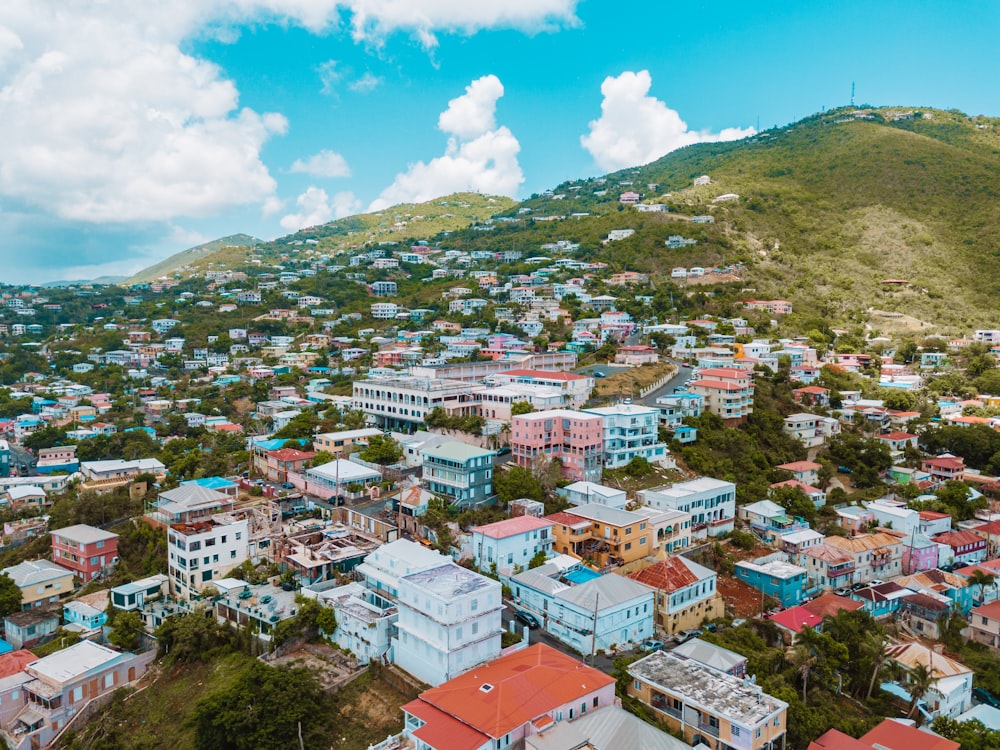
(135,594)
(773,576)
(219,484)
(82,617)
(882,600)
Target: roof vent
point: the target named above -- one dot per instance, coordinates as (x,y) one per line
(485,687)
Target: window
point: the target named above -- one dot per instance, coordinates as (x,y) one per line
(239,535)
(595,701)
(223,539)
(232,555)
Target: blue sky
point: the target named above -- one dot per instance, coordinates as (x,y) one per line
(127,135)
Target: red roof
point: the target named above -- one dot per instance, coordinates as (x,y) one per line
(811,388)
(566,519)
(513,526)
(991,610)
(718,385)
(831,604)
(15,661)
(896,736)
(806,489)
(897,436)
(443,731)
(523,686)
(959,538)
(290,454)
(945,462)
(796,619)
(727,372)
(834,739)
(667,575)
(933,515)
(544,374)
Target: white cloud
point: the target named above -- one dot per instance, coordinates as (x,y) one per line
(316,207)
(635,128)
(329,77)
(372,19)
(479,155)
(324,164)
(366,83)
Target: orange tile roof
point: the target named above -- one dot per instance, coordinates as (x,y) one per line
(991,610)
(831,604)
(800,466)
(15,661)
(668,575)
(513,526)
(834,739)
(566,519)
(526,685)
(443,731)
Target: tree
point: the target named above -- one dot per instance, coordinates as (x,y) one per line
(383,450)
(873,649)
(128,629)
(515,482)
(538,559)
(804,661)
(261,710)
(521,407)
(981,580)
(918,683)
(10,595)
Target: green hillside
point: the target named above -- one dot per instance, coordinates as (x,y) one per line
(402,223)
(185,260)
(829,207)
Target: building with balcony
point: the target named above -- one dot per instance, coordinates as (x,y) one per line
(503,703)
(449,622)
(52,690)
(460,472)
(950,693)
(706,705)
(676,407)
(984,625)
(383,568)
(827,567)
(508,546)
(338,480)
(961,547)
(187,504)
(727,391)
(769,519)
(944,468)
(710,502)
(686,594)
(88,551)
(585,493)
(603,536)
(811,429)
(876,556)
(631,431)
(574,388)
(366,622)
(201,552)
(403,402)
(575,438)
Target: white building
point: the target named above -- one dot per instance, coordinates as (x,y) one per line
(585,493)
(508,546)
(449,622)
(384,310)
(203,551)
(404,401)
(631,431)
(711,503)
(365,621)
(383,568)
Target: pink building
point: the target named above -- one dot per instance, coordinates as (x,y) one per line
(728,393)
(85,550)
(575,438)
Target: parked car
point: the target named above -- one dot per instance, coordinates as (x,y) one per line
(598,374)
(985,696)
(652,645)
(876,582)
(287,485)
(503,450)
(739,621)
(527,618)
(686,635)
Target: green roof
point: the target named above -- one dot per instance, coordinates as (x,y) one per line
(457,451)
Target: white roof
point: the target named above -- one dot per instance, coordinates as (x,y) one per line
(83,534)
(607,591)
(797,537)
(592,488)
(141,464)
(765,508)
(33,572)
(25,491)
(74,661)
(344,472)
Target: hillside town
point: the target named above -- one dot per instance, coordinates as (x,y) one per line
(548,501)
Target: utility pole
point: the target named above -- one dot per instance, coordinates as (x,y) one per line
(593,637)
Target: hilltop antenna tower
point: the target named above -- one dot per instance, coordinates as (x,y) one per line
(852,93)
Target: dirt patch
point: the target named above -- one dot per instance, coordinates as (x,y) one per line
(742,599)
(331,667)
(711,278)
(896,323)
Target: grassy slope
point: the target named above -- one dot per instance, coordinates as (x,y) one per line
(403,223)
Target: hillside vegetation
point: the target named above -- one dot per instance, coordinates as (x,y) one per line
(403,223)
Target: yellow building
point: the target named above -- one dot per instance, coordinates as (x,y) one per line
(708,706)
(41,582)
(603,536)
(686,594)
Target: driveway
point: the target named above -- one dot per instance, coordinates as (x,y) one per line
(679,380)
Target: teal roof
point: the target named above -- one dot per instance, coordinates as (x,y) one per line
(457,451)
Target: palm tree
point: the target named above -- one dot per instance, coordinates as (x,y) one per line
(804,661)
(873,649)
(919,682)
(982,580)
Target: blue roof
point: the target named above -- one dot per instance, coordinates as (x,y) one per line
(318,369)
(684,428)
(5,647)
(581,575)
(212,483)
(277,443)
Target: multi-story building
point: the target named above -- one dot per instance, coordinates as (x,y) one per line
(944,468)
(460,472)
(675,408)
(383,568)
(812,429)
(508,546)
(606,612)
(89,552)
(449,622)
(603,535)
(384,310)
(50,691)
(984,625)
(708,706)
(877,556)
(505,702)
(202,551)
(711,503)
(686,594)
(186,504)
(575,438)
(4,458)
(950,693)
(828,567)
(961,547)
(403,402)
(384,288)
(728,392)
(631,431)
(575,388)
(775,577)
(365,621)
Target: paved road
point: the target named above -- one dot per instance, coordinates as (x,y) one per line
(679,380)
(605,368)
